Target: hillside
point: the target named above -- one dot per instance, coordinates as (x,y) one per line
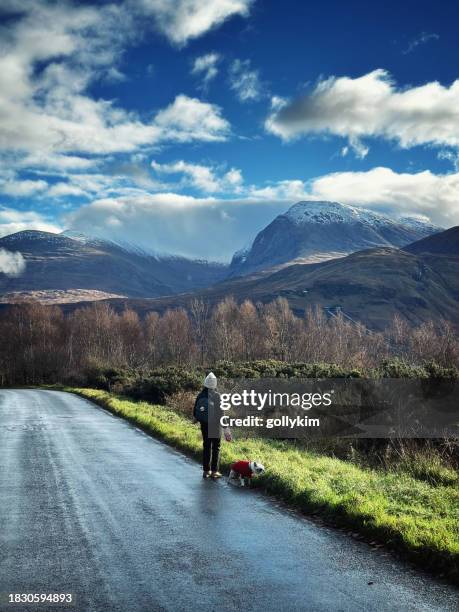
(60,268)
(369,286)
(442,243)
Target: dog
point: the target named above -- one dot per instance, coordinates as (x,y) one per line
(245,470)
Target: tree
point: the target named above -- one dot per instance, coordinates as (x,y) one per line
(175,338)
(200,314)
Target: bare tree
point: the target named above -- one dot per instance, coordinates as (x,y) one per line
(175,337)
(200,314)
(38,344)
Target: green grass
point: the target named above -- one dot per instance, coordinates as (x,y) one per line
(417,517)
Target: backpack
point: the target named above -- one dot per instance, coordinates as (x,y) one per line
(201,408)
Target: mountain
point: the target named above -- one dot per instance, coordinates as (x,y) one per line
(442,243)
(369,286)
(61,268)
(317,231)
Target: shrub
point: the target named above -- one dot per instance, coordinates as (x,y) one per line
(156,385)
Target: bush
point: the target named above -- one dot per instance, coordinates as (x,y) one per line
(271,368)
(158,384)
(398,368)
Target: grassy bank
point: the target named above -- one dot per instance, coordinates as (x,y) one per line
(418,518)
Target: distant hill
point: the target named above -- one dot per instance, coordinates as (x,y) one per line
(442,243)
(314,231)
(369,286)
(60,268)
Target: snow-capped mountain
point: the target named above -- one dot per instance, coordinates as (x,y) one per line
(421,224)
(94,240)
(60,263)
(319,230)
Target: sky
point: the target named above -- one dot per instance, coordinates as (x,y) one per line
(186,126)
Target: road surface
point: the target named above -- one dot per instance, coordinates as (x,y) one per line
(91,505)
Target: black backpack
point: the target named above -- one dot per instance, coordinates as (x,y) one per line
(201,407)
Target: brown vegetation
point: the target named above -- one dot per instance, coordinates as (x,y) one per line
(39,344)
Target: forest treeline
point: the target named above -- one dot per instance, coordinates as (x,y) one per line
(39,344)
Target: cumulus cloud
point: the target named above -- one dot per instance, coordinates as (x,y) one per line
(372,106)
(425,193)
(204,178)
(189,119)
(51,162)
(398,194)
(205,66)
(11,264)
(18,188)
(12,221)
(245,81)
(183,20)
(50,56)
(63,189)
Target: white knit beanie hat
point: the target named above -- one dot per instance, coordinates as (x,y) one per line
(210,381)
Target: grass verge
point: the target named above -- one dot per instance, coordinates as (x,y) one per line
(417,518)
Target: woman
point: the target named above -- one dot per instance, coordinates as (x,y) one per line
(205,407)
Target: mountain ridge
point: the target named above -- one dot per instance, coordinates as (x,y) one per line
(370,286)
(329,229)
(56,262)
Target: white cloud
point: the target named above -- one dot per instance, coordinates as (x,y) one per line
(182,20)
(11,264)
(425,193)
(207,227)
(290,190)
(12,221)
(55,162)
(245,81)
(49,58)
(59,190)
(206,66)
(372,106)
(234,177)
(18,188)
(205,178)
(189,119)
(72,45)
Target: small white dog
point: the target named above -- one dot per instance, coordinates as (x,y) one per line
(242,470)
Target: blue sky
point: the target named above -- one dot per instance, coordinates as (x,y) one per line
(187,125)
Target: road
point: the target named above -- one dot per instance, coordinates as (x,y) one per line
(91,505)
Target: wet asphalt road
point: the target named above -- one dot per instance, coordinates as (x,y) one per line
(91,505)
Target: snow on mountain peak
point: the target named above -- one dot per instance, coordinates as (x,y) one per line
(420,222)
(332,212)
(96,241)
(76,236)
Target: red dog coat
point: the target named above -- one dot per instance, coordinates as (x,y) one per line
(242,468)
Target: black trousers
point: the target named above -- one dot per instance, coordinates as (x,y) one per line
(211,450)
